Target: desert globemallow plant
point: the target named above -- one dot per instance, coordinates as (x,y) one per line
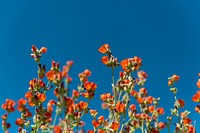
(64,113)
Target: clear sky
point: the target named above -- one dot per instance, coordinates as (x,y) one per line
(164,33)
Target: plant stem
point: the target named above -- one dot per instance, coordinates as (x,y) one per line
(175,98)
(121,128)
(36,121)
(168,128)
(120,93)
(113,85)
(142,127)
(54,121)
(77,129)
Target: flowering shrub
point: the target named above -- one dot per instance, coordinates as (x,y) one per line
(130,106)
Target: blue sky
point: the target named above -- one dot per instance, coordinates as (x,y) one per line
(164,33)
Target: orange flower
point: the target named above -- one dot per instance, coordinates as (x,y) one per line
(56,92)
(95,123)
(69,101)
(154,131)
(191,129)
(81,123)
(138,116)
(75,93)
(91,131)
(124,63)
(175,77)
(161,125)
(57,129)
(105,60)
(29,95)
(140,100)
(27,113)
(181,103)
(131,64)
(87,72)
(120,107)
(160,111)
(54,76)
(145,116)
(101,131)
(54,65)
(50,105)
(83,76)
(106,96)
(22,101)
(32,83)
(149,99)
(101,119)
(50,75)
(143,91)
(125,82)
(47,115)
(41,97)
(90,86)
(21,104)
(5,116)
(85,94)
(132,107)
(68,79)
(187,121)
(70,63)
(19,122)
(110,61)
(9,105)
(197,108)
(36,84)
(65,71)
(34,49)
(121,74)
(71,109)
(105,48)
(104,105)
(93,112)
(31,103)
(196,97)
(82,105)
(134,93)
(137,61)
(142,75)
(184,114)
(115,126)
(198,83)
(135,123)
(43,50)
(151,109)
(170,82)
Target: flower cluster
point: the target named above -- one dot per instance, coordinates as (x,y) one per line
(64,104)
(184,123)
(109,60)
(124,115)
(196,97)
(130,107)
